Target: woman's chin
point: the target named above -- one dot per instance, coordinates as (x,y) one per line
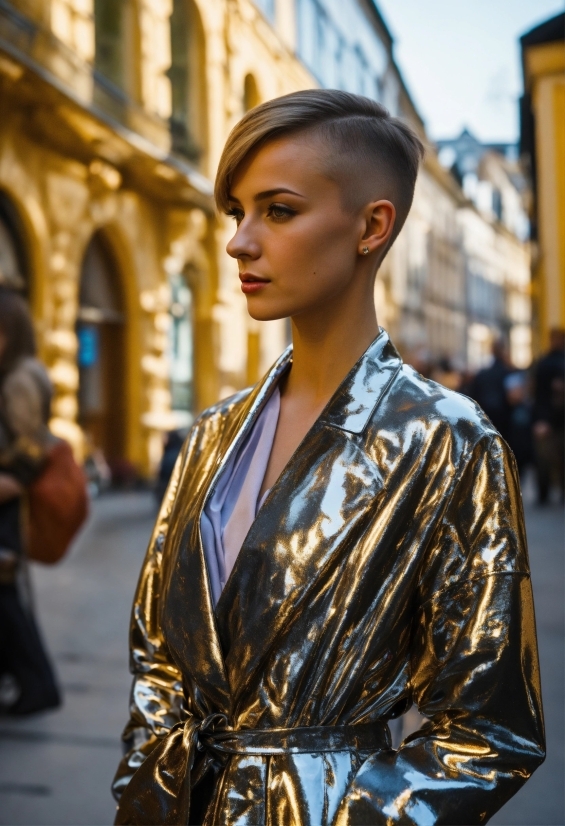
(266,310)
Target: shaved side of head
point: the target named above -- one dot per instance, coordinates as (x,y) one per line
(369,154)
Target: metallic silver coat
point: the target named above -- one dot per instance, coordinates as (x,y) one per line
(387,566)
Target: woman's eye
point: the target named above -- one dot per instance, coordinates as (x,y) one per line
(279,212)
(237,214)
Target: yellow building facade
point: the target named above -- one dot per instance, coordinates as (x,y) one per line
(114,114)
(543,147)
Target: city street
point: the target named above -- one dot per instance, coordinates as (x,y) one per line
(56,768)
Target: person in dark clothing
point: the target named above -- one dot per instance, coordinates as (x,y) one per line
(173,445)
(520,424)
(27,681)
(549,417)
(488,390)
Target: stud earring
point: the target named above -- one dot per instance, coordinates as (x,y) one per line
(365,250)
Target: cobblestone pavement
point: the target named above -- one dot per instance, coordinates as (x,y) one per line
(56,768)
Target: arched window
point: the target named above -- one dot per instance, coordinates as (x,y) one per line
(251,96)
(181,350)
(188,117)
(13,265)
(117,49)
(108,39)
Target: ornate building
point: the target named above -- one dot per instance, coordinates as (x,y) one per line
(99,219)
(494,230)
(114,113)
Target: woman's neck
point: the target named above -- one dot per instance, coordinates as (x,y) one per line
(326,345)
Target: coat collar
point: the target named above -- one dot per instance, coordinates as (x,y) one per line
(353,404)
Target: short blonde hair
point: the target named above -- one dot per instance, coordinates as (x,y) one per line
(360,135)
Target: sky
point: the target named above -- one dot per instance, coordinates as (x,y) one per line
(460,60)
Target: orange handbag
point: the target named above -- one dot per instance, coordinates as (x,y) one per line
(58,506)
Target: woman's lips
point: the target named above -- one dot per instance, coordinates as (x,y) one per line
(252,283)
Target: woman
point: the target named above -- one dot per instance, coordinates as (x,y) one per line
(338,542)
(25,398)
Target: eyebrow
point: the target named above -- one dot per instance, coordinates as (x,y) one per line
(268,193)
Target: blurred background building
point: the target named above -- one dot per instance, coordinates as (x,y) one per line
(542,144)
(494,232)
(114,115)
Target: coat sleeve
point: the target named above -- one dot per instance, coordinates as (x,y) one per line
(156,698)
(475,671)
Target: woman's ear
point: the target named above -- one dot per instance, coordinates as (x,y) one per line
(380,217)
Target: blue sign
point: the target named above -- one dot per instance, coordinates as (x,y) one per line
(88,345)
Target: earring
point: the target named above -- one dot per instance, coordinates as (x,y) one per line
(365,250)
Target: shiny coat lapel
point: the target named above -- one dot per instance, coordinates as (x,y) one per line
(195,640)
(305,524)
(355,400)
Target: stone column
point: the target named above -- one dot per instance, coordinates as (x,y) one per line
(66,199)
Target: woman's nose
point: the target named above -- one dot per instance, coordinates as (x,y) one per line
(243,245)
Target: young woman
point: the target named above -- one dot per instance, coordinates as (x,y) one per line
(338,542)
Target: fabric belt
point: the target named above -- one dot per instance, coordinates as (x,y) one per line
(217,740)
(214,734)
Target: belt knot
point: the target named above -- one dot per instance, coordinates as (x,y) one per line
(205,729)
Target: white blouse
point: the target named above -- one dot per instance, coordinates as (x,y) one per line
(234,503)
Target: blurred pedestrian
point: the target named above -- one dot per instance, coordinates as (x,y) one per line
(445,373)
(419,359)
(467,378)
(549,417)
(520,421)
(27,682)
(96,469)
(488,390)
(173,444)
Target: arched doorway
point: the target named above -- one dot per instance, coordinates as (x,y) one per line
(101,356)
(13,259)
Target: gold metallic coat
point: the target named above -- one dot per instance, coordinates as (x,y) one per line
(387,566)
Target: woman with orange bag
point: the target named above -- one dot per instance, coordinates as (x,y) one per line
(27,682)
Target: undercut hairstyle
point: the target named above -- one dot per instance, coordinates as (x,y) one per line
(370,154)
